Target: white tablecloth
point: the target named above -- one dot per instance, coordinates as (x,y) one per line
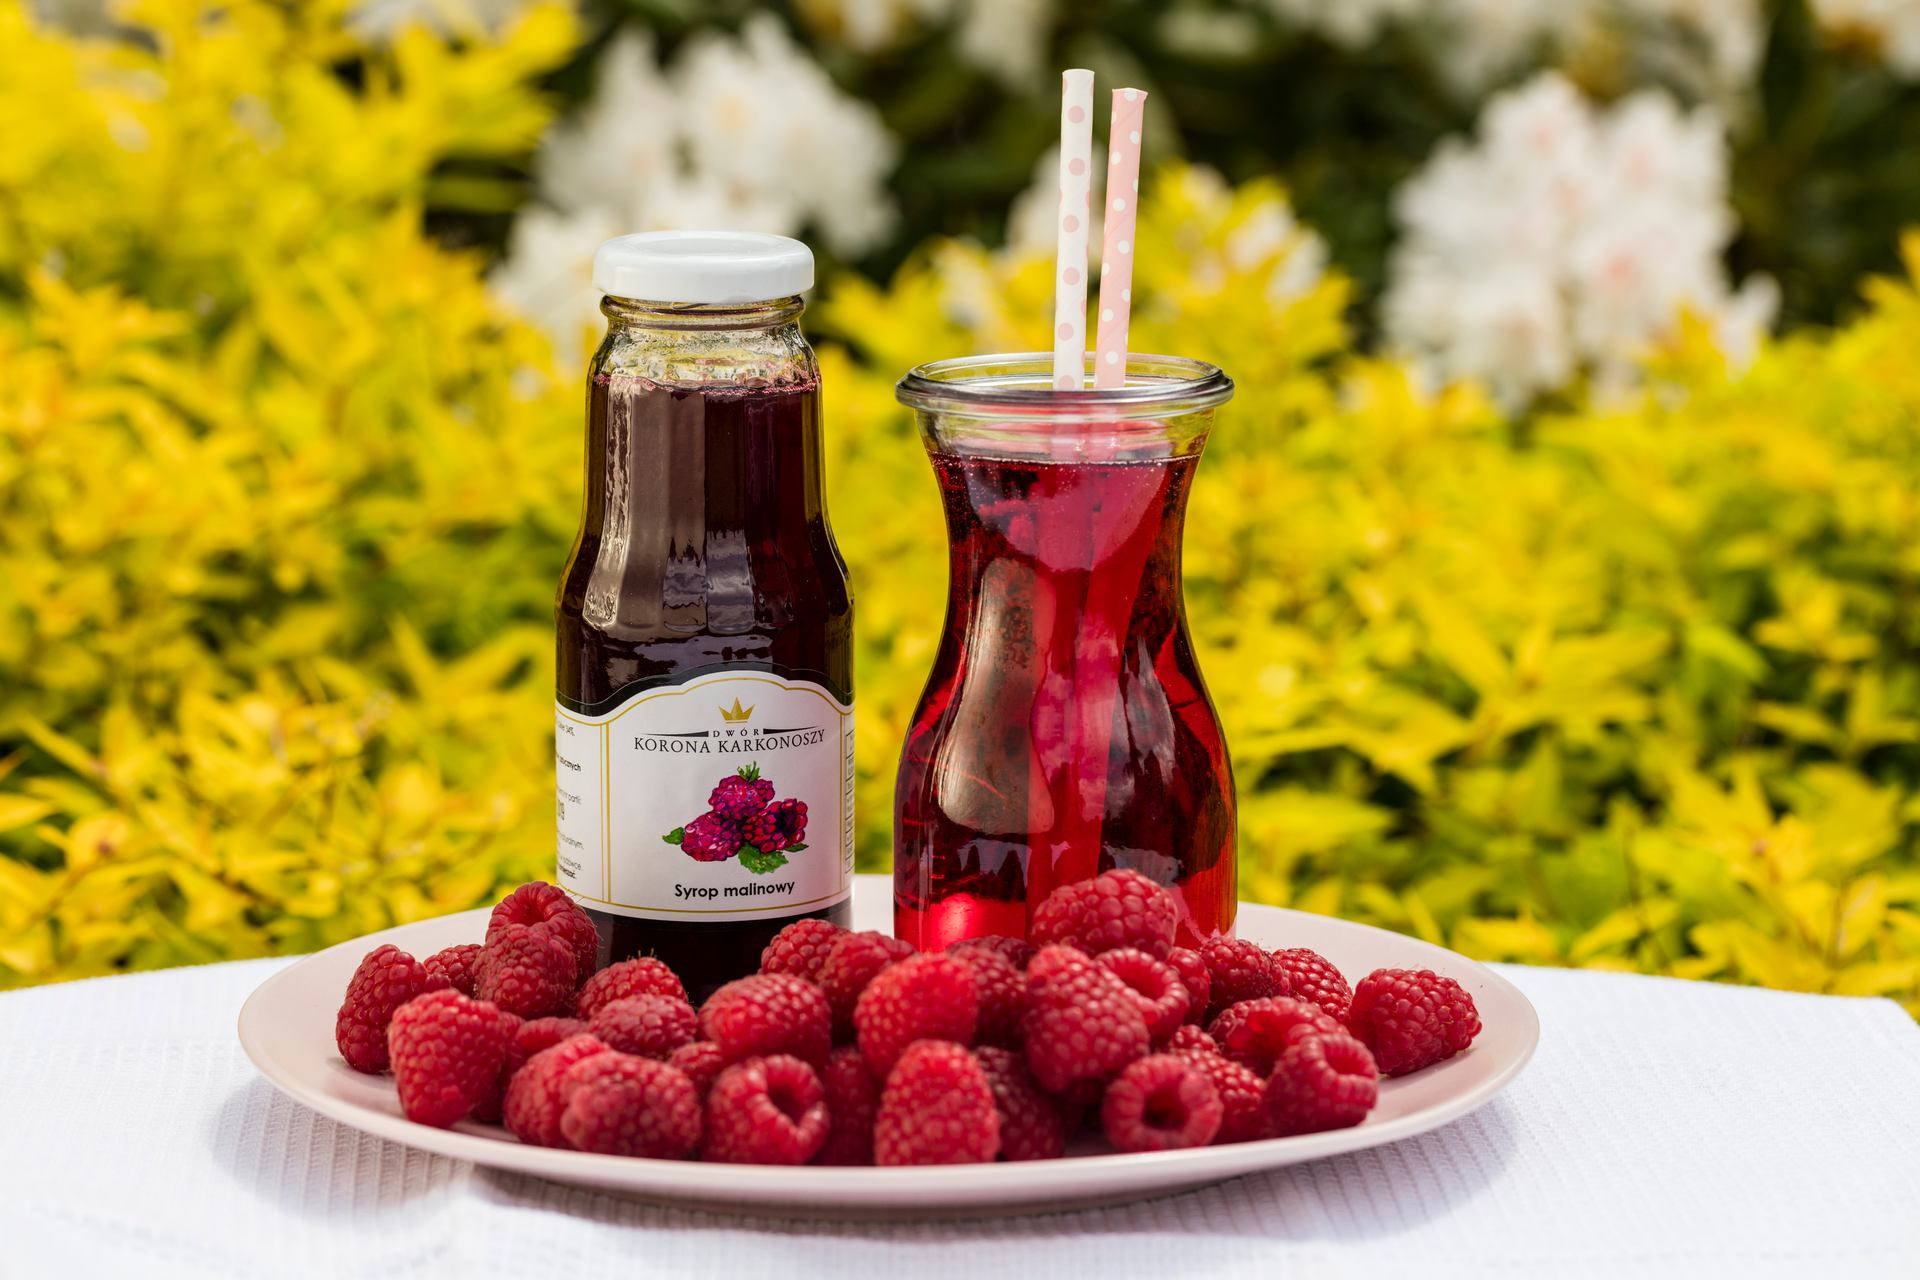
(1665,1128)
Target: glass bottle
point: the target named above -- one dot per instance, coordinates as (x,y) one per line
(704,718)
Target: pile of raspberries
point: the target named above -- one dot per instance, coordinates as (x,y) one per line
(851,1049)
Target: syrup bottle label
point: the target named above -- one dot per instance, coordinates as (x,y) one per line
(725,796)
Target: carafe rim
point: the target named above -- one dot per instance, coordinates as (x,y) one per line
(1020,385)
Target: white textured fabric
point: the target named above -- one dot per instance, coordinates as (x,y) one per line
(1665,1128)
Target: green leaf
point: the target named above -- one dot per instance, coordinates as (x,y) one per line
(61,747)
(750,770)
(1457,637)
(795,848)
(760,863)
(675,836)
(18,811)
(1802,724)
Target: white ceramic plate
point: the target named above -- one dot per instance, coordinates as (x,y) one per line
(286,1027)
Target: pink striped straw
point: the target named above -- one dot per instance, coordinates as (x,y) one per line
(1070,259)
(1116,248)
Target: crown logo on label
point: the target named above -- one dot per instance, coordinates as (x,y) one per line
(736,713)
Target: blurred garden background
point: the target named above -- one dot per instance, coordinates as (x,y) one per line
(1556,570)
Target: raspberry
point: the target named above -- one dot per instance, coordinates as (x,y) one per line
(1412,1018)
(853,1100)
(781,825)
(542,1033)
(801,948)
(1161,1103)
(1195,978)
(386,978)
(1002,992)
(1321,1082)
(1157,990)
(535,1099)
(937,1108)
(766,1111)
(710,838)
(702,1061)
(620,1105)
(454,967)
(1031,1126)
(644,976)
(529,1038)
(1015,951)
(927,997)
(1082,1024)
(1311,976)
(1241,1097)
(1114,909)
(1058,961)
(527,970)
(1254,1033)
(446,1050)
(850,966)
(741,795)
(540,903)
(1238,970)
(1191,1039)
(768,1013)
(648,1026)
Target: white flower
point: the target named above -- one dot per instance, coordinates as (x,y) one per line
(746,134)
(1267,233)
(381,18)
(547,275)
(1208,34)
(1033,219)
(620,143)
(760,118)
(867,26)
(1513,322)
(1477,42)
(1005,37)
(1744,319)
(1352,23)
(1733,34)
(371,19)
(1890,26)
(1566,240)
(1484,40)
(705,202)
(1270,233)
(969,294)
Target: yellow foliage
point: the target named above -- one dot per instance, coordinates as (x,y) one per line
(1628,687)
(284,494)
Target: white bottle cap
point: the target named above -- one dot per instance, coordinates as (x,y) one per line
(702,266)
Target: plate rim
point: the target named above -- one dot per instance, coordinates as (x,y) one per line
(793,1188)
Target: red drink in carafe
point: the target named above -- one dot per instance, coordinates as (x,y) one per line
(1065,728)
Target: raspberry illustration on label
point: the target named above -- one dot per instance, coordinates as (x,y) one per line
(744,820)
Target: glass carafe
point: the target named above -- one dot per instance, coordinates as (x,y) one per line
(1065,729)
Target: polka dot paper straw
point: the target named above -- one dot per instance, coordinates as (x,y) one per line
(1116,249)
(1070,262)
